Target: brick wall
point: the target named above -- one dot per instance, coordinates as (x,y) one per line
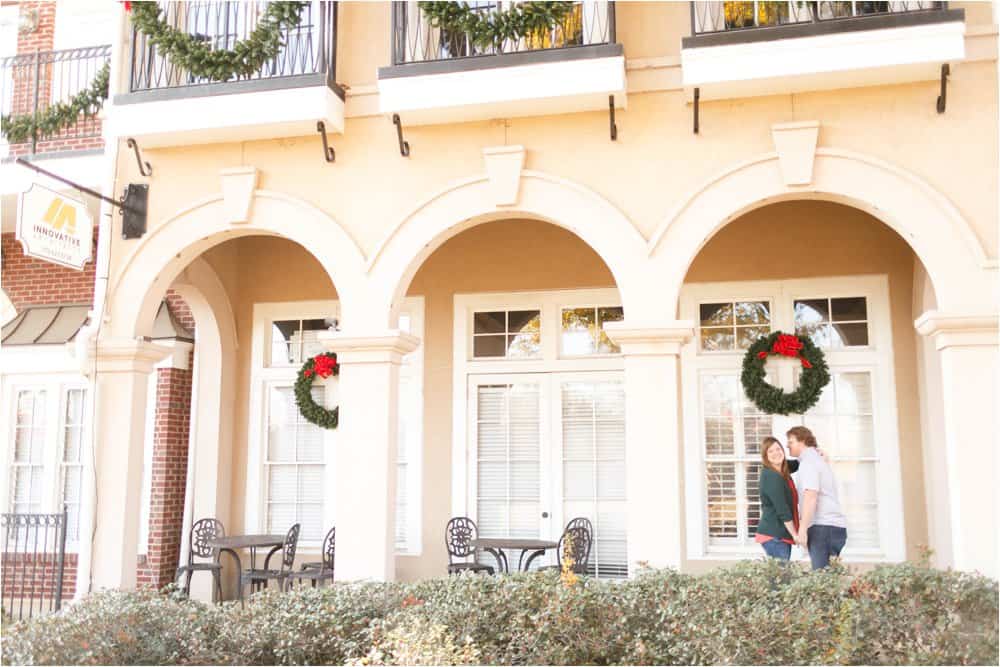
(26,576)
(31,282)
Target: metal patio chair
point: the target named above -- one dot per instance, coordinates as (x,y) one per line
(319,571)
(258,578)
(202,531)
(459,533)
(575,542)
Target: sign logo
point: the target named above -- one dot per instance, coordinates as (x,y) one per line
(55,228)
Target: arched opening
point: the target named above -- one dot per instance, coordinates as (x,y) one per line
(522,405)
(854,286)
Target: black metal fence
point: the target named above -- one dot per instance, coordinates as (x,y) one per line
(415,40)
(709,17)
(34,561)
(308,48)
(32,82)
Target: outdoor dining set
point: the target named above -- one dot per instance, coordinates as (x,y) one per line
(464,547)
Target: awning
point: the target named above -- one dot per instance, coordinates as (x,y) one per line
(57,325)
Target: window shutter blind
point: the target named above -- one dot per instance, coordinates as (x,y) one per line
(294,467)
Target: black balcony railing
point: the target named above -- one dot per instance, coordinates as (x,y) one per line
(32,82)
(34,561)
(309,48)
(717,17)
(415,40)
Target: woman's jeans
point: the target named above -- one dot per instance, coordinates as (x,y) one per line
(777,549)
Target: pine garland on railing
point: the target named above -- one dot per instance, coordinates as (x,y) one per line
(58,116)
(492,28)
(195,56)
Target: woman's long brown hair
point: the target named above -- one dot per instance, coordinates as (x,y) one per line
(766,445)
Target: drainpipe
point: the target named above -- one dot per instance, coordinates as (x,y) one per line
(85,344)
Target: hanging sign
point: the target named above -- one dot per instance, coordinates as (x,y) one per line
(55,228)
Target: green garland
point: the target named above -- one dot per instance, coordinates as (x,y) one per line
(312,411)
(490,29)
(194,55)
(774,400)
(60,115)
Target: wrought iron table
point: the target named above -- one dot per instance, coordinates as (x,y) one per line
(234,543)
(497,545)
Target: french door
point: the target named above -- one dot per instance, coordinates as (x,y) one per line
(545,448)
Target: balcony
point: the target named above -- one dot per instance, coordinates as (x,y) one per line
(746,49)
(167,105)
(439,76)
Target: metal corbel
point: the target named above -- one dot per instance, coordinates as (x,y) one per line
(611,118)
(404,146)
(145,168)
(328,153)
(697,96)
(942,100)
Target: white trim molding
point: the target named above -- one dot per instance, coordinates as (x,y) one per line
(954,330)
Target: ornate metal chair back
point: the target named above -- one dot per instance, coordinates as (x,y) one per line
(329,549)
(581,521)
(291,544)
(458,537)
(575,543)
(202,531)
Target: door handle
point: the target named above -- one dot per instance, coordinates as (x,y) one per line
(545,515)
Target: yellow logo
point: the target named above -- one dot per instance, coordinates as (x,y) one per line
(61,216)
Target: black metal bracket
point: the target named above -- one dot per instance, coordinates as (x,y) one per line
(328,153)
(942,100)
(611,120)
(404,146)
(135,202)
(144,167)
(697,96)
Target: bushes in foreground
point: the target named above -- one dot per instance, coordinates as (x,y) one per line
(752,613)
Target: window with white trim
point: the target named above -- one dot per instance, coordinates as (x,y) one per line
(27,469)
(506,334)
(853,421)
(583,330)
(71,460)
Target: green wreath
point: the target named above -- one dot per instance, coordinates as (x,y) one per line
(774,400)
(194,55)
(60,115)
(491,28)
(322,365)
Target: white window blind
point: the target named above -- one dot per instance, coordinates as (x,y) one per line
(508,465)
(593,460)
(27,471)
(406,431)
(71,459)
(293,466)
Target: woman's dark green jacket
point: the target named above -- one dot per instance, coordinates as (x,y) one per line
(775,503)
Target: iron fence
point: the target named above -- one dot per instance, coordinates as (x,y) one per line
(34,560)
(307,48)
(711,17)
(415,40)
(32,82)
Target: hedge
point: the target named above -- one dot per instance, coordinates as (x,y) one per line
(752,613)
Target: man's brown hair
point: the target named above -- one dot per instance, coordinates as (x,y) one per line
(803,435)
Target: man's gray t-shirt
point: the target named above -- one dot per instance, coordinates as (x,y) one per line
(815,474)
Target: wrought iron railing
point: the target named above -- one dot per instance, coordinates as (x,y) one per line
(307,48)
(714,17)
(31,82)
(34,561)
(415,40)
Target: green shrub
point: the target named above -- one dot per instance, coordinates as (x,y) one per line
(752,613)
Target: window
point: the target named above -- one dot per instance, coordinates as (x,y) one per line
(294,341)
(733,325)
(71,460)
(583,330)
(27,471)
(833,323)
(510,334)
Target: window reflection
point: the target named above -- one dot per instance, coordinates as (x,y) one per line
(733,325)
(833,322)
(514,334)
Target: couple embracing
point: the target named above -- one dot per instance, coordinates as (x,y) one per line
(808,515)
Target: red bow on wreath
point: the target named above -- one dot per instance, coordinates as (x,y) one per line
(787,346)
(324,365)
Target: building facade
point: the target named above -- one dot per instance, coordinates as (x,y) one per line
(540,264)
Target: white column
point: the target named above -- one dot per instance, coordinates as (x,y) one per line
(967,345)
(654,487)
(122,372)
(366,450)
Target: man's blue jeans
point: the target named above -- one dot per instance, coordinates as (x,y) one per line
(824,543)
(777,549)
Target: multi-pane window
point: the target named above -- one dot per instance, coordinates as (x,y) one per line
(593,460)
(732,325)
(510,334)
(583,330)
(71,459)
(733,428)
(833,323)
(294,341)
(27,471)
(294,466)
(508,459)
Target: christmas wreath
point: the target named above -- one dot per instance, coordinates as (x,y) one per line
(322,365)
(491,28)
(192,53)
(59,115)
(774,400)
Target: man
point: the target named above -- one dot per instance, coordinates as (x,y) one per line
(822,525)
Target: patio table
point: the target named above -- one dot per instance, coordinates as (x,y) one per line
(233,543)
(496,546)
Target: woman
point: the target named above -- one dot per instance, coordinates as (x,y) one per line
(779,501)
